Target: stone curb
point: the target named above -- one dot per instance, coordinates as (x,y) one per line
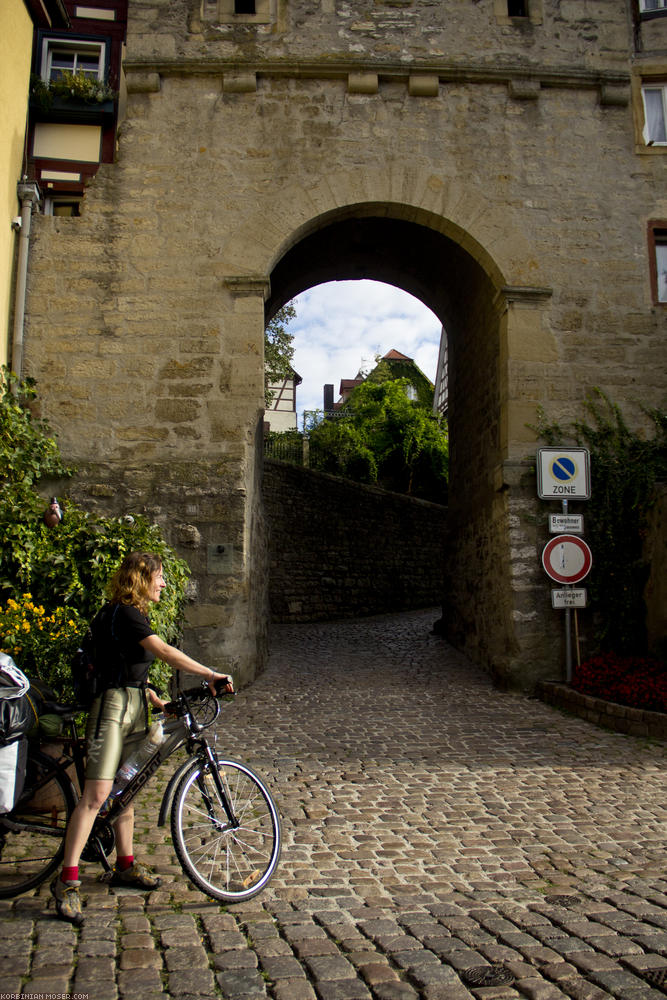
(620,718)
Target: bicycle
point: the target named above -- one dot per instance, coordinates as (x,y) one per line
(224,823)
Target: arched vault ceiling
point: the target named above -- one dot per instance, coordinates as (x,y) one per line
(419,260)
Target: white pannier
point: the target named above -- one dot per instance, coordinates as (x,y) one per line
(17,717)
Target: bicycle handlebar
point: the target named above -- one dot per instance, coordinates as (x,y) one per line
(198,693)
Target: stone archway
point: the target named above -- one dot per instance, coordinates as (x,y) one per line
(161,312)
(429,258)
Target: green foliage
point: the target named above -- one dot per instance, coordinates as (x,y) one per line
(41,641)
(70,87)
(278,350)
(624,470)
(391,369)
(387,439)
(285,446)
(64,570)
(27,453)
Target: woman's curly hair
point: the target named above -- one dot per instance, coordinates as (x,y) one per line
(131,583)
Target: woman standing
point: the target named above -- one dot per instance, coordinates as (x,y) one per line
(117,724)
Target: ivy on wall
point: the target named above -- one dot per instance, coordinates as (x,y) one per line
(625,466)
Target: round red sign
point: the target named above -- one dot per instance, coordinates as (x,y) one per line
(567,559)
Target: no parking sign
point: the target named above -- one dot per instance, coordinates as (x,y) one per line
(563,474)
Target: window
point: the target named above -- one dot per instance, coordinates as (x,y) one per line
(646,6)
(519,14)
(655,114)
(63,205)
(62,56)
(441,394)
(245,11)
(657,238)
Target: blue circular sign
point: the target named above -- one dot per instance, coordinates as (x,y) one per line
(563,468)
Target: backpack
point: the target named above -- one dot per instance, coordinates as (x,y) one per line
(99,663)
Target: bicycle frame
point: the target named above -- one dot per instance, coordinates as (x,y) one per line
(175,739)
(180,731)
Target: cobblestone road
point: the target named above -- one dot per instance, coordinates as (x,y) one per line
(433,827)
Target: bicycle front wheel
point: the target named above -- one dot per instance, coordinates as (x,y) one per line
(228,853)
(32,835)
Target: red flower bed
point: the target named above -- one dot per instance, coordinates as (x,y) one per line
(636,681)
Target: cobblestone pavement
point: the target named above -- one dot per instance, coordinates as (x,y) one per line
(432,827)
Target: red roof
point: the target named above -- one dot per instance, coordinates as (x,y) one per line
(349,383)
(393,355)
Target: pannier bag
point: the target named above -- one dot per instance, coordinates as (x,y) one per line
(17,717)
(13,758)
(17,712)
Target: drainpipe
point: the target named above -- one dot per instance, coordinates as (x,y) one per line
(28,194)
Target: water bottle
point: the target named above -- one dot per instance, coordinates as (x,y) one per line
(154,738)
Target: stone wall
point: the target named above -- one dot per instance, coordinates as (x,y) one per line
(489,165)
(340,549)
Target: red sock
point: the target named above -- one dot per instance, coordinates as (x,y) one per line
(70,874)
(125,861)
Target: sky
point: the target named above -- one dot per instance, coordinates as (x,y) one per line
(341,326)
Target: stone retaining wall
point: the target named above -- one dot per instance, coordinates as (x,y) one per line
(339,549)
(621,718)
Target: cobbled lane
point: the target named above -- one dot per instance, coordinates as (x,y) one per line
(442,840)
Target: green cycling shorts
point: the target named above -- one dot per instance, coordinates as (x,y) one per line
(116,726)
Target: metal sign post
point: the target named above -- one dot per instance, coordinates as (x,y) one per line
(565,474)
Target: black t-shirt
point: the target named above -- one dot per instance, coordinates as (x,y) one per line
(129,627)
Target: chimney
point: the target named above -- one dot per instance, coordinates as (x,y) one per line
(328,398)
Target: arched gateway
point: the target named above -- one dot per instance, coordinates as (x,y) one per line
(445,148)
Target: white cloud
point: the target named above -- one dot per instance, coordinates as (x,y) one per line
(341,326)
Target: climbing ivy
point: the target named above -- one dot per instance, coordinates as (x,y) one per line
(625,466)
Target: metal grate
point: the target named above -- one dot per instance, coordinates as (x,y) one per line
(487,975)
(656,977)
(562,900)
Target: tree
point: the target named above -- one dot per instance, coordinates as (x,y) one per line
(387,439)
(278,350)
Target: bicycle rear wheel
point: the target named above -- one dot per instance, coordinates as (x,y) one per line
(229,861)
(32,835)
